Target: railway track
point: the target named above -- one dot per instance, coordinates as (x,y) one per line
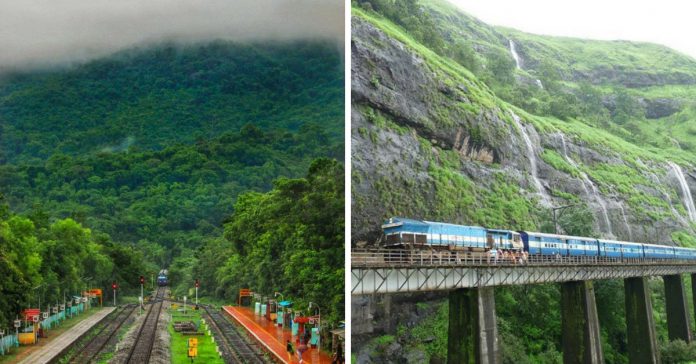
(142,347)
(235,348)
(95,346)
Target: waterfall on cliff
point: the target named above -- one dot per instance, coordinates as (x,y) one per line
(514,53)
(625,221)
(686,192)
(586,181)
(532,159)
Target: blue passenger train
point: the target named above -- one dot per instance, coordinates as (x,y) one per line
(416,234)
(162,278)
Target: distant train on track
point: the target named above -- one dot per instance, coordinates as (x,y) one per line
(162,279)
(416,234)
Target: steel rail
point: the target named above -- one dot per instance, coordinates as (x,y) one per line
(142,347)
(242,351)
(97,343)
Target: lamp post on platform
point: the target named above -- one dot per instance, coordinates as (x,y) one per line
(17,324)
(39,286)
(318,323)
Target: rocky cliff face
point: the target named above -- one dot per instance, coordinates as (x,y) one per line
(410,119)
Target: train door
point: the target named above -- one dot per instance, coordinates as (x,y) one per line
(490,242)
(517,241)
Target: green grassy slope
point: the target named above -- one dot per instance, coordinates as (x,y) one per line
(643,71)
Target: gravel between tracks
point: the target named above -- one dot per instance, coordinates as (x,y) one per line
(161,353)
(128,340)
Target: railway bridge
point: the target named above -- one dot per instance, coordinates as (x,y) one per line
(470,282)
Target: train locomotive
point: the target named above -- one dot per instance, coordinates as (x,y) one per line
(427,235)
(162,279)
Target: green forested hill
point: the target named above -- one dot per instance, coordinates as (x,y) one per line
(128,163)
(154,144)
(149,98)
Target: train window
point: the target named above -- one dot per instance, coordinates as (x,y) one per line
(407,239)
(421,239)
(393,239)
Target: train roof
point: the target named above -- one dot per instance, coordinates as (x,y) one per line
(660,245)
(558,236)
(503,231)
(399,221)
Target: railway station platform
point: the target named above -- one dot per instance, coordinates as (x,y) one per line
(271,337)
(55,346)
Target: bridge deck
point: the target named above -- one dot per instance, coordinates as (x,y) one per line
(394,271)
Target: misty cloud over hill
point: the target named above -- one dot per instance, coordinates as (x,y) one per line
(44,32)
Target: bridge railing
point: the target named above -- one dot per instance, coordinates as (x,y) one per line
(402,258)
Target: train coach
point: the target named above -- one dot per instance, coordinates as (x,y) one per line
(416,234)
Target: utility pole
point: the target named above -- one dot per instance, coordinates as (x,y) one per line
(560,209)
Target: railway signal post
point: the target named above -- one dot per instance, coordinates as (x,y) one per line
(142,297)
(114,286)
(197,285)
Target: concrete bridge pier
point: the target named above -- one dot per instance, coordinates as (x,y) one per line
(580,325)
(678,320)
(472,333)
(640,325)
(693,288)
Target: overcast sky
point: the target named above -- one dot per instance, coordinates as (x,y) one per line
(34,32)
(668,22)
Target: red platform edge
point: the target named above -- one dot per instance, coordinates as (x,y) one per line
(269,343)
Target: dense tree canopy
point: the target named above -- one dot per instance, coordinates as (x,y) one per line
(178,195)
(46,262)
(289,240)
